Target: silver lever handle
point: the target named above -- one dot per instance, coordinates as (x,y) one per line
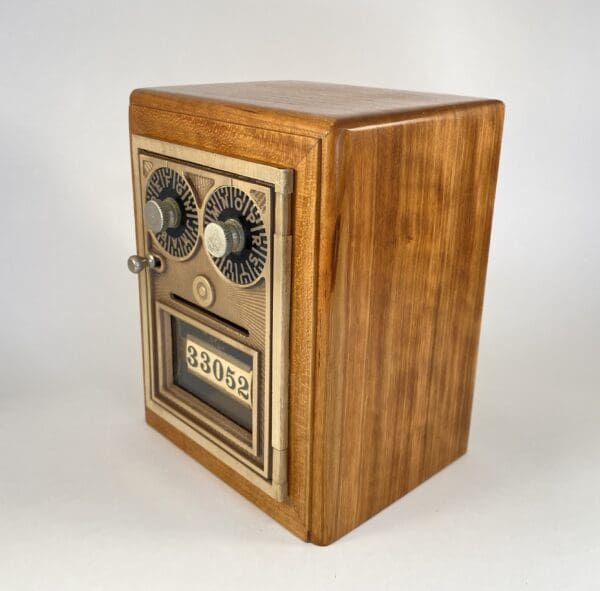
(136,264)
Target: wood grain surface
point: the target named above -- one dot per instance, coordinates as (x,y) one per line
(405,227)
(391,216)
(299,107)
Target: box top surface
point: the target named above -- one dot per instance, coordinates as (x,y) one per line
(317,101)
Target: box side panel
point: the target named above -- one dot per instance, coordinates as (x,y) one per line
(302,154)
(405,225)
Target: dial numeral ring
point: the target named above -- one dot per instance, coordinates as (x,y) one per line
(243,265)
(166,187)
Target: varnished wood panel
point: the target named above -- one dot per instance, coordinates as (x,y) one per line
(302,154)
(300,107)
(240,141)
(405,226)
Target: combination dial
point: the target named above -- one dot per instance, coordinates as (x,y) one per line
(170,212)
(235,235)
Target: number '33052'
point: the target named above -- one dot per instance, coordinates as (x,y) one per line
(218,371)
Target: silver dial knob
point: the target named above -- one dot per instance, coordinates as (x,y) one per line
(161,214)
(223,238)
(136,264)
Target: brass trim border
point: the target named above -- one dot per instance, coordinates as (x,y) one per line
(276,363)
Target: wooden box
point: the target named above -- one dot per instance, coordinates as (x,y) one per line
(391,212)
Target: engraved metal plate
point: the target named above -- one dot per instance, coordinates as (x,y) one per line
(216,368)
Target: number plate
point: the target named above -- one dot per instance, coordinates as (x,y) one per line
(220,370)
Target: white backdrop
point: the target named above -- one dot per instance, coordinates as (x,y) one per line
(91,498)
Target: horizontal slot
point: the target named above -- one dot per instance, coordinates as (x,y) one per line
(209,314)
